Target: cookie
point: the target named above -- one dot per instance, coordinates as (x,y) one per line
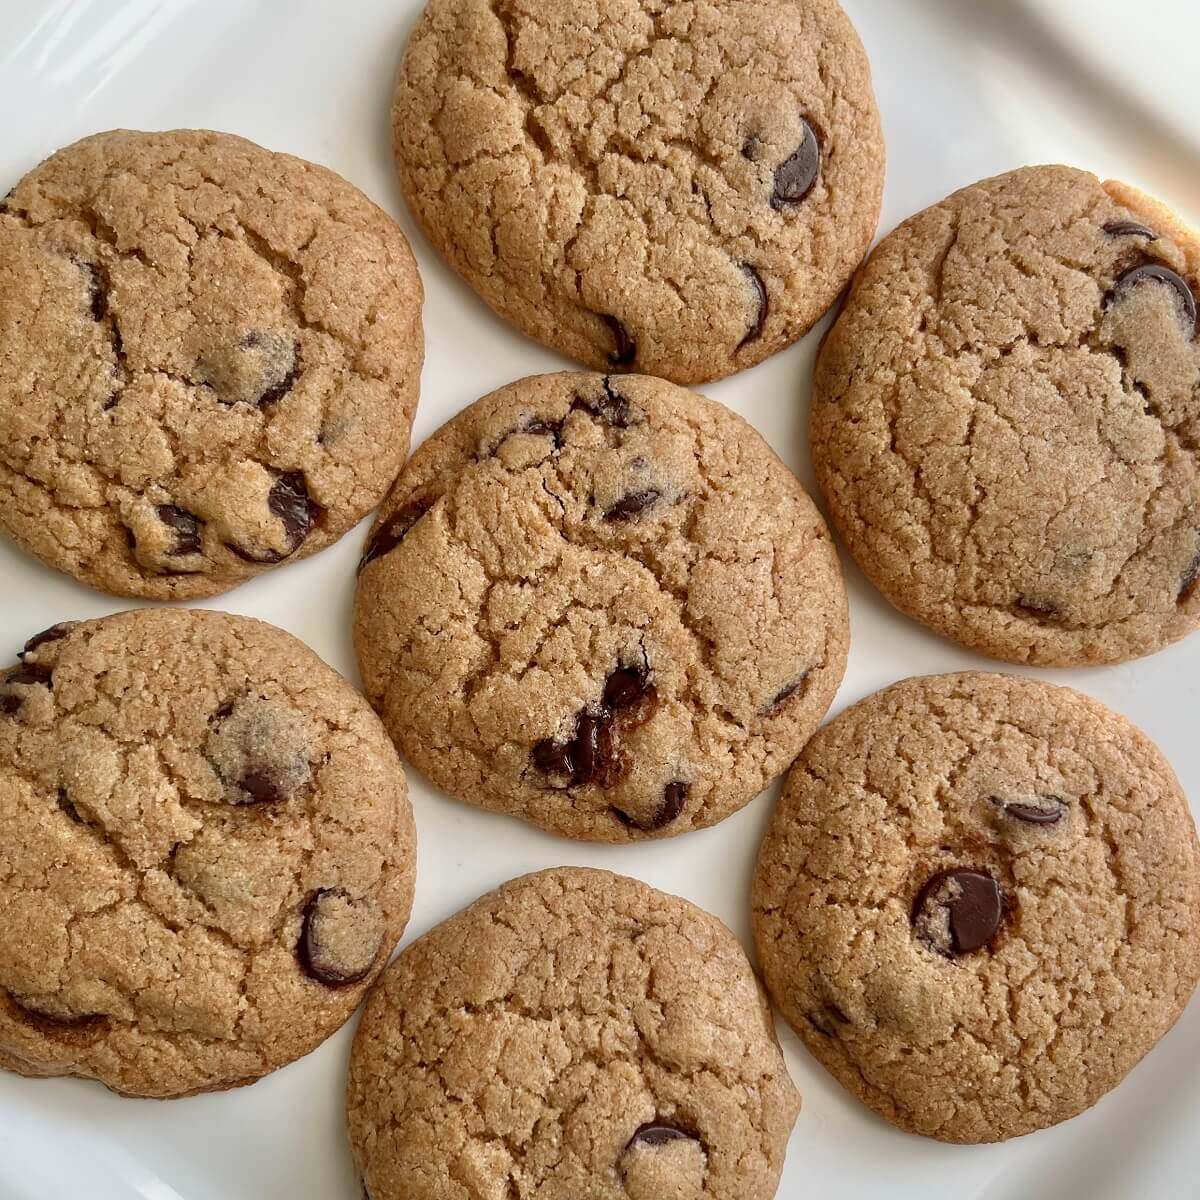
(602,604)
(978,901)
(206,852)
(677,189)
(572,1034)
(1006,420)
(210,360)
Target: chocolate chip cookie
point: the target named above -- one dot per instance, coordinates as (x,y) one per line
(679,189)
(572,1034)
(603,604)
(1006,419)
(206,852)
(978,903)
(210,360)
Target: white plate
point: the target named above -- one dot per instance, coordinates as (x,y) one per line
(967,90)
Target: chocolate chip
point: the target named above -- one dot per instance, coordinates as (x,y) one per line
(1157,273)
(674,799)
(612,408)
(762,302)
(593,754)
(186,527)
(625,347)
(392,532)
(1042,810)
(1129,229)
(259,369)
(64,803)
(958,911)
(339,940)
(627,686)
(750,148)
(785,693)
(1036,607)
(27,675)
(794,178)
(826,1019)
(260,752)
(1187,585)
(276,391)
(589,757)
(262,787)
(53,634)
(555,758)
(539,427)
(289,501)
(630,505)
(655,1134)
(99,297)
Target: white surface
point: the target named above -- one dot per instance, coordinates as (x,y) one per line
(967,90)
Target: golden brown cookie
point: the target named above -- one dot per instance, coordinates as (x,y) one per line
(573,1034)
(602,604)
(979,903)
(1006,419)
(209,359)
(206,852)
(679,189)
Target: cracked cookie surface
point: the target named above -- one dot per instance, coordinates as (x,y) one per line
(677,188)
(602,604)
(575,1035)
(206,852)
(977,903)
(209,360)
(1006,419)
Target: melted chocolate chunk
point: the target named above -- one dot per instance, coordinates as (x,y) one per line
(612,408)
(674,798)
(540,427)
(27,675)
(672,804)
(763,305)
(595,760)
(263,787)
(795,176)
(625,348)
(1129,229)
(64,803)
(1041,810)
(958,911)
(260,369)
(785,693)
(186,526)
(826,1019)
(591,756)
(338,943)
(53,634)
(627,686)
(289,501)
(1033,606)
(274,392)
(555,758)
(631,505)
(392,532)
(1187,585)
(260,752)
(655,1134)
(1157,273)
